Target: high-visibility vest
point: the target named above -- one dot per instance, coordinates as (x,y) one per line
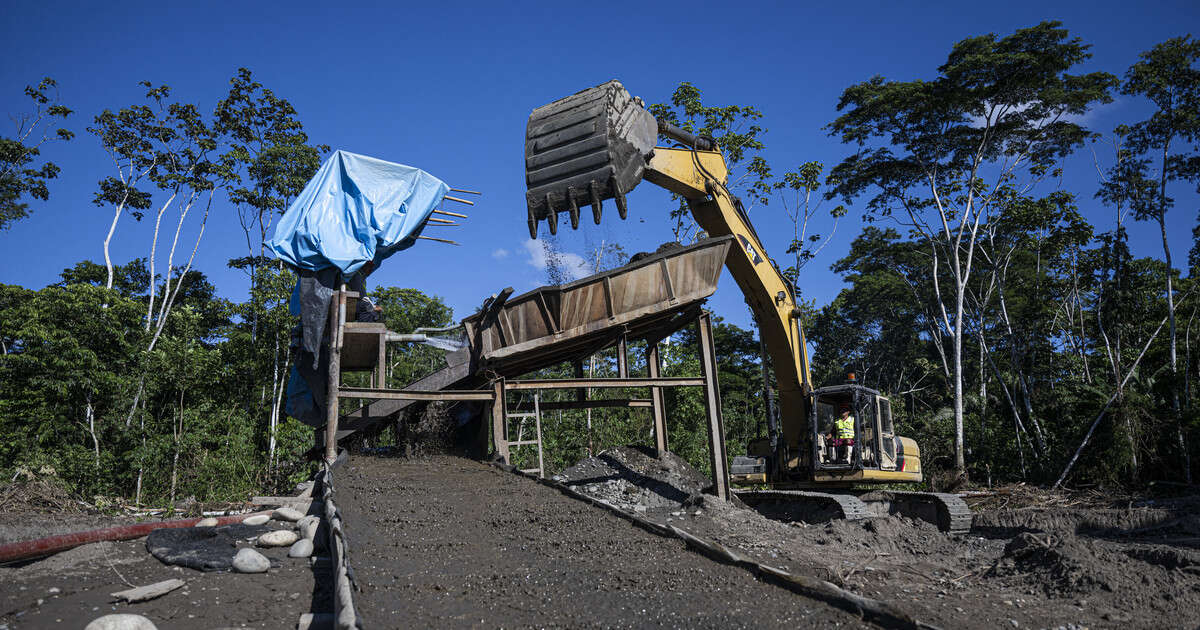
(845,427)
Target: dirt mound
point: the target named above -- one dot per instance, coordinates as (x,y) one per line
(39,494)
(1102,522)
(637,479)
(1065,564)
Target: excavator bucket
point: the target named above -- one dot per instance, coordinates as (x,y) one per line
(583,149)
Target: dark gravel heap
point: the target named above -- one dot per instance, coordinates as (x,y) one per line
(637,479)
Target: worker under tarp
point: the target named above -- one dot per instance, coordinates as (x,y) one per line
(356,210)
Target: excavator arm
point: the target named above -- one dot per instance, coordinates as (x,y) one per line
(599,144)
(700,178)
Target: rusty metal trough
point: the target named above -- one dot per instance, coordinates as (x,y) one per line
(649,299)
(551,324)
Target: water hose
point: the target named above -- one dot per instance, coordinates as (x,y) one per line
(30,549)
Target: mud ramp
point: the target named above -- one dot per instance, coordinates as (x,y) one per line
(450,542)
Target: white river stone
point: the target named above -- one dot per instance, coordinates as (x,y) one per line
(121,622)
(278,538)
(207,522)
(250,561)
(301,549)
(257,519)
(287,514)
(308,527)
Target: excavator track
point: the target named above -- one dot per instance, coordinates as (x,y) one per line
(809,507)
(947,511)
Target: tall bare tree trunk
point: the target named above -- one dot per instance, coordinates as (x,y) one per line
(90,414)
(178,431)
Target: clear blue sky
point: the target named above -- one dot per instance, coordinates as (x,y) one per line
(448,87)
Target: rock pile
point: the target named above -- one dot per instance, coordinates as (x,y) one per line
(637,479)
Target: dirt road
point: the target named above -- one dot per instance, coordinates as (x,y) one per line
(450,542)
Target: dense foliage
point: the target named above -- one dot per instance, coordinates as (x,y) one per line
(1017,340)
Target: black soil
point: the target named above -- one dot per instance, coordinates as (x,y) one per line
(449,542)
(1137,567)
(69,589)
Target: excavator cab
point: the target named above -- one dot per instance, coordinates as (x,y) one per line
(872,444)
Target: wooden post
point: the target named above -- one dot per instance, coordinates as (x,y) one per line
(333,380)
(712,405)
(658,404)
(581,393)
(500,422)
(381,365)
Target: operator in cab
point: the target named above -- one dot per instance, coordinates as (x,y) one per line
(843,434)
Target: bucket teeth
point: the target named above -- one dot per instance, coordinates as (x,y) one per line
(572,208)
(598,139)
(596,208)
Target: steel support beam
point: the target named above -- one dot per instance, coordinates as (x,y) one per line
(658,403)
(712,406)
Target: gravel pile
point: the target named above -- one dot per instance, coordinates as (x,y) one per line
(637,479)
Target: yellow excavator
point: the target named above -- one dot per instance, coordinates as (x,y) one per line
(600,143)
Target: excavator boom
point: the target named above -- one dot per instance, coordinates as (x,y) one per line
(599,144)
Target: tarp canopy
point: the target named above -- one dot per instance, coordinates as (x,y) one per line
(354,210)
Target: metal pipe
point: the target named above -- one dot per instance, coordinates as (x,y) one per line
(703,143)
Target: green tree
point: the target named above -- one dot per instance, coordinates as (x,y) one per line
(22,173)
(933,154)
(737,130)
(268,160)
(1168,75)
(268,156)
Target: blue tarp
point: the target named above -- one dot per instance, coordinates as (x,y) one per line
(355,209)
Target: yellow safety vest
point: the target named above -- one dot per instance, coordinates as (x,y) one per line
(845,427)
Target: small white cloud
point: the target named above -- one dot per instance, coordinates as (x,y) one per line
(500,254)
(573,266)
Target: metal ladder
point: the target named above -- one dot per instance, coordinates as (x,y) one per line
(536,414)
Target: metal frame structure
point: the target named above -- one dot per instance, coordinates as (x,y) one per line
(359,346)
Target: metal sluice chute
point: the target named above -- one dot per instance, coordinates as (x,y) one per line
(583,149)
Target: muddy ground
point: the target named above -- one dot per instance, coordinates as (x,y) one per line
(1133,566)
(71,588)
(442,541)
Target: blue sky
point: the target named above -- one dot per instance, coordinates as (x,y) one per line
(448,87)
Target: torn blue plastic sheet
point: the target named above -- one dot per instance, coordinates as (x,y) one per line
(354,210)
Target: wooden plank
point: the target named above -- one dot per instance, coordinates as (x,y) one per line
(712,405)
(414,394)
(571,383)
(656,397)
(636,403)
